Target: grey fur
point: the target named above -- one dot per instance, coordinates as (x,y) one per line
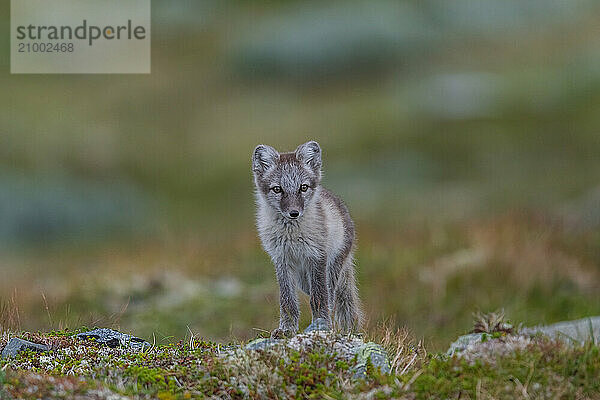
(310,237)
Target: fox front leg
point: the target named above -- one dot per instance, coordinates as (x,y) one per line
(289,310)
(319,295)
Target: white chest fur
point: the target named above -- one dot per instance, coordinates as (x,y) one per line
(291,242)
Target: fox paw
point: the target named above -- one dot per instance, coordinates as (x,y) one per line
(280,333)
(319,324)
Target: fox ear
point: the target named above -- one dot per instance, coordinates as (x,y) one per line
(263,158)
(310,154)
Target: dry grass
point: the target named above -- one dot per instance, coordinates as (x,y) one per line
(406,353)
(10,319)
(491,323)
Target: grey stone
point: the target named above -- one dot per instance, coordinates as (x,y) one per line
(463,342)
(374,353)
(16,345)
(263,343)
(573,332)
(319,324)
(112,338)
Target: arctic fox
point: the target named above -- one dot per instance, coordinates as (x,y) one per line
(309,235)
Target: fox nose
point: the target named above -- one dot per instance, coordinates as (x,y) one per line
(294,214)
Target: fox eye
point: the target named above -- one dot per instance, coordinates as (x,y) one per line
(276,189)
(304,187)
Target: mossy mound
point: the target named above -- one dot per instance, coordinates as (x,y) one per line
(308,366)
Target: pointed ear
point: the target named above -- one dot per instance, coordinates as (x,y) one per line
(310,154)
(263,158)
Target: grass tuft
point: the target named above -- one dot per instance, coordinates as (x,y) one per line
(493,322)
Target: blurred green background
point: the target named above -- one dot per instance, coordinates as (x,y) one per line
(464,137)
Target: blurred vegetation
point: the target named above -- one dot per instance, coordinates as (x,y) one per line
(464,138)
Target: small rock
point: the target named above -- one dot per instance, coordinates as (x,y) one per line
(571,332)
(16,345)
(463,342)
(113,339)
(319,324)
(263,343)
(376,354)
(575,332)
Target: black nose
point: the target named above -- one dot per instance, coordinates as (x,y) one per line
(294,214)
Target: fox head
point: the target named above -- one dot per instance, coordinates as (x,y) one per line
(287,181)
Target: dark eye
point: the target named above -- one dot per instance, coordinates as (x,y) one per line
(304,187)
(276,189)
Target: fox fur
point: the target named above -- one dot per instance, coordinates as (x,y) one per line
(309,235)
